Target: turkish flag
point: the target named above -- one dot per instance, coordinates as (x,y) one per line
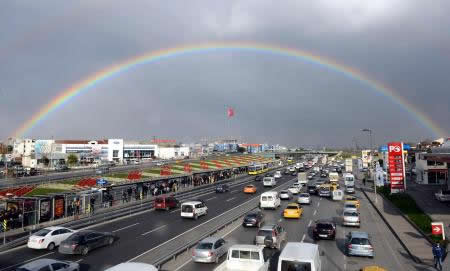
(230,112)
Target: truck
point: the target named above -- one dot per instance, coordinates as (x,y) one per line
(349,165)
(442,195)
(300,256)
(334,177)
(245,258)
(302,178)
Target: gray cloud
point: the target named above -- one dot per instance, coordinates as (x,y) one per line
(50,45)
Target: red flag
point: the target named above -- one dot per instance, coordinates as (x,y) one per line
(230,112)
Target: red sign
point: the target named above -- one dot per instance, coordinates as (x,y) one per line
(437,228)
(203,165)
(230,112)
(165,171)
(396,169)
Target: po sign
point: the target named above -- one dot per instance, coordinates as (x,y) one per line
(396,171)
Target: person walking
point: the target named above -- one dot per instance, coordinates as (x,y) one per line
(124,196)
(364,181)
(438,253)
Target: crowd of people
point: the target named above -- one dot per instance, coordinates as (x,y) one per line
(13,218)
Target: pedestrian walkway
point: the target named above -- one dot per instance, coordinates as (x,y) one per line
(418,246)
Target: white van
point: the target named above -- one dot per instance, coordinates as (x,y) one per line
(132,266)
(270,200)
(300,256)
(269,181)
(193,209)
(349,179)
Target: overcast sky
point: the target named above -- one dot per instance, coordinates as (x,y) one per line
(47,46)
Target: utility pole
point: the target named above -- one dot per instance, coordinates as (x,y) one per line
(371,168)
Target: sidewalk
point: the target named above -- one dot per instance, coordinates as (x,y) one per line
(418,246)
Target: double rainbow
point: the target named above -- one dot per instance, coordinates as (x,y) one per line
(154,56)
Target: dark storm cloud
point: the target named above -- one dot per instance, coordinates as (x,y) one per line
(50,45)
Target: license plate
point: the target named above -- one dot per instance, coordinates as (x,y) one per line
(249,224)
(322,235)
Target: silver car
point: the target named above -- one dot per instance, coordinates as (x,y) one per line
(209,250)
(285,194)
(272,235)
(49,264)
(350,217)
(358,244)
(304,198)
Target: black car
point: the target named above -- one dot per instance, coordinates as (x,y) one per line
(222,188)
(258,178)
(312,189)
(82,242)
(324,230)
(253,219)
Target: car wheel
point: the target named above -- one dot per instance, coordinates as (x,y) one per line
(195,216)
(51,246)
(216,260)
(84,251)
(110,241)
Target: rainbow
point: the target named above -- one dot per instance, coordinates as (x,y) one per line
(154,56)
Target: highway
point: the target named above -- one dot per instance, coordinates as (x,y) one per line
(388,251)
(139,233)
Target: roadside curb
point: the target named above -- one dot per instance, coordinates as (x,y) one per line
(414,258)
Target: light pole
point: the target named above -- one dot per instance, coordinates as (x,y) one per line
(366,130)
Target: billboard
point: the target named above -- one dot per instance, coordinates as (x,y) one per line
(396,168)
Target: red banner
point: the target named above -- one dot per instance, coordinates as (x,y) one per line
(165,171)
(218,165)
(396,168)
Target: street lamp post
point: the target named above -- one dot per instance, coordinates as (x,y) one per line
(366,130)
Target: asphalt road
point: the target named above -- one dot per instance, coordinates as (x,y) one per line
(138,234)
(388,251)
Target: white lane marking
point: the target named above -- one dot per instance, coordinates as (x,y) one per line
(320,198)
(176,210)
(154,229)
(318,204)
(77,261)
(211,198)
(173,238)
(303,238)
(230,199)
(315,212)
(225,235)
(32,259)
(310,222)
(129,226)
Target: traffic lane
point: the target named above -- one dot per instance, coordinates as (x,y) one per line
(388,251)
(148,223)
(296,229)
(132,242)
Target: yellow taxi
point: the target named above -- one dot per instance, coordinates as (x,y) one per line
(373,268)
(250,189)
(334,186)
(352,199)
(293,210)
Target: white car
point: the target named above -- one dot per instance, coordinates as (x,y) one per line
(304,198)
(285,194)
(294,190)
(49,238)
(277,175)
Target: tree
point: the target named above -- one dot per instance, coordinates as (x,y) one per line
(72,159)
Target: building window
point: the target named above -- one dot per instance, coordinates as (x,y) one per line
(431,163)
(115,153)
(439,163)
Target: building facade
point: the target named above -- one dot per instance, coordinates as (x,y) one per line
(432,168)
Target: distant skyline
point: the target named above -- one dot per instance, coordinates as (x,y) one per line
(51,46)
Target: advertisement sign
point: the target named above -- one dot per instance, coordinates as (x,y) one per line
(437,228)
(396,169)
(59,207)
(45,213)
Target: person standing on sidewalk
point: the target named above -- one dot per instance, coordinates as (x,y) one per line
(437,253)
(364,181)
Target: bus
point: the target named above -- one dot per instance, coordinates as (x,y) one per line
(257,169)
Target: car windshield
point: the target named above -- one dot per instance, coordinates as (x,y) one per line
(186,209)
(159,200)
(42,232)
(252,215)
(265,233)
(284,192)
(355,214)
(76,237)
(325,226)
(350,206)
(292,207)
(360,241)
(249,186)
(304,195)
(204,246)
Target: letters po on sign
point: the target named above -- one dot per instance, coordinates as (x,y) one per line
(395,149)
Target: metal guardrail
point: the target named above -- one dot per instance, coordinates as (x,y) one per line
(185,241)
